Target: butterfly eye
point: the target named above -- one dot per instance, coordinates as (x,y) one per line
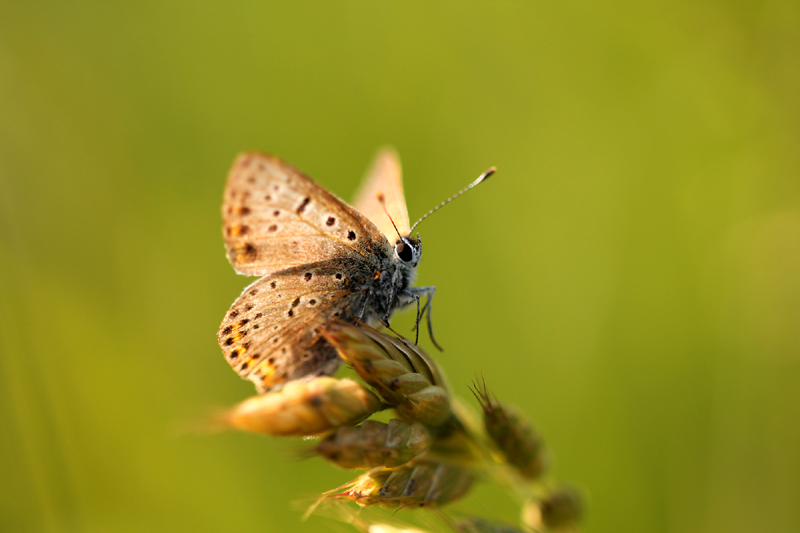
(404,252)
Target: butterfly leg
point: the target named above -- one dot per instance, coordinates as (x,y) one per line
(364,306)
(415,293)
(416,325)
(390,301)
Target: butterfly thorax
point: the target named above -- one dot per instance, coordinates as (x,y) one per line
(388,289)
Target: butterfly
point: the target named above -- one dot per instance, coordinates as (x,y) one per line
(319,260)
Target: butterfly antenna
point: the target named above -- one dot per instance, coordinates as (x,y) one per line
(480,179)
(382,200)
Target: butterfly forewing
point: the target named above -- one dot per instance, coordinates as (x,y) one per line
(382,193)
(274,217)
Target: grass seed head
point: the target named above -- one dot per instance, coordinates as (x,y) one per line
(429,406)
(402,374)
(305,408)
(374,444)
(560,510)
(512,434)
(417,484)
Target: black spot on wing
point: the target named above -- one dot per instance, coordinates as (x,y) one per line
(303,205)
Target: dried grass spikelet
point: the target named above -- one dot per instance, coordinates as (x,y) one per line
(514,437)
(372,444)
(305,408)
(417,484)
(560,510)
(402,374)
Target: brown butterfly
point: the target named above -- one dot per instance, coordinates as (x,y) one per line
(319,259)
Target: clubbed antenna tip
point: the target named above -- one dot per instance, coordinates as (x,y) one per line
(480,179)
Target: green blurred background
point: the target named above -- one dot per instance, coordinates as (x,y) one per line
(630,277)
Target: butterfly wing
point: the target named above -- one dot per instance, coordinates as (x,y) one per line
(274,217)
(271,334)
(384,180)
(314,252)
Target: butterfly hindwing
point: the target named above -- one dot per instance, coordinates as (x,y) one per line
(272,332)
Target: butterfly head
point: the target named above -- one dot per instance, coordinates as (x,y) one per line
(408,251)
